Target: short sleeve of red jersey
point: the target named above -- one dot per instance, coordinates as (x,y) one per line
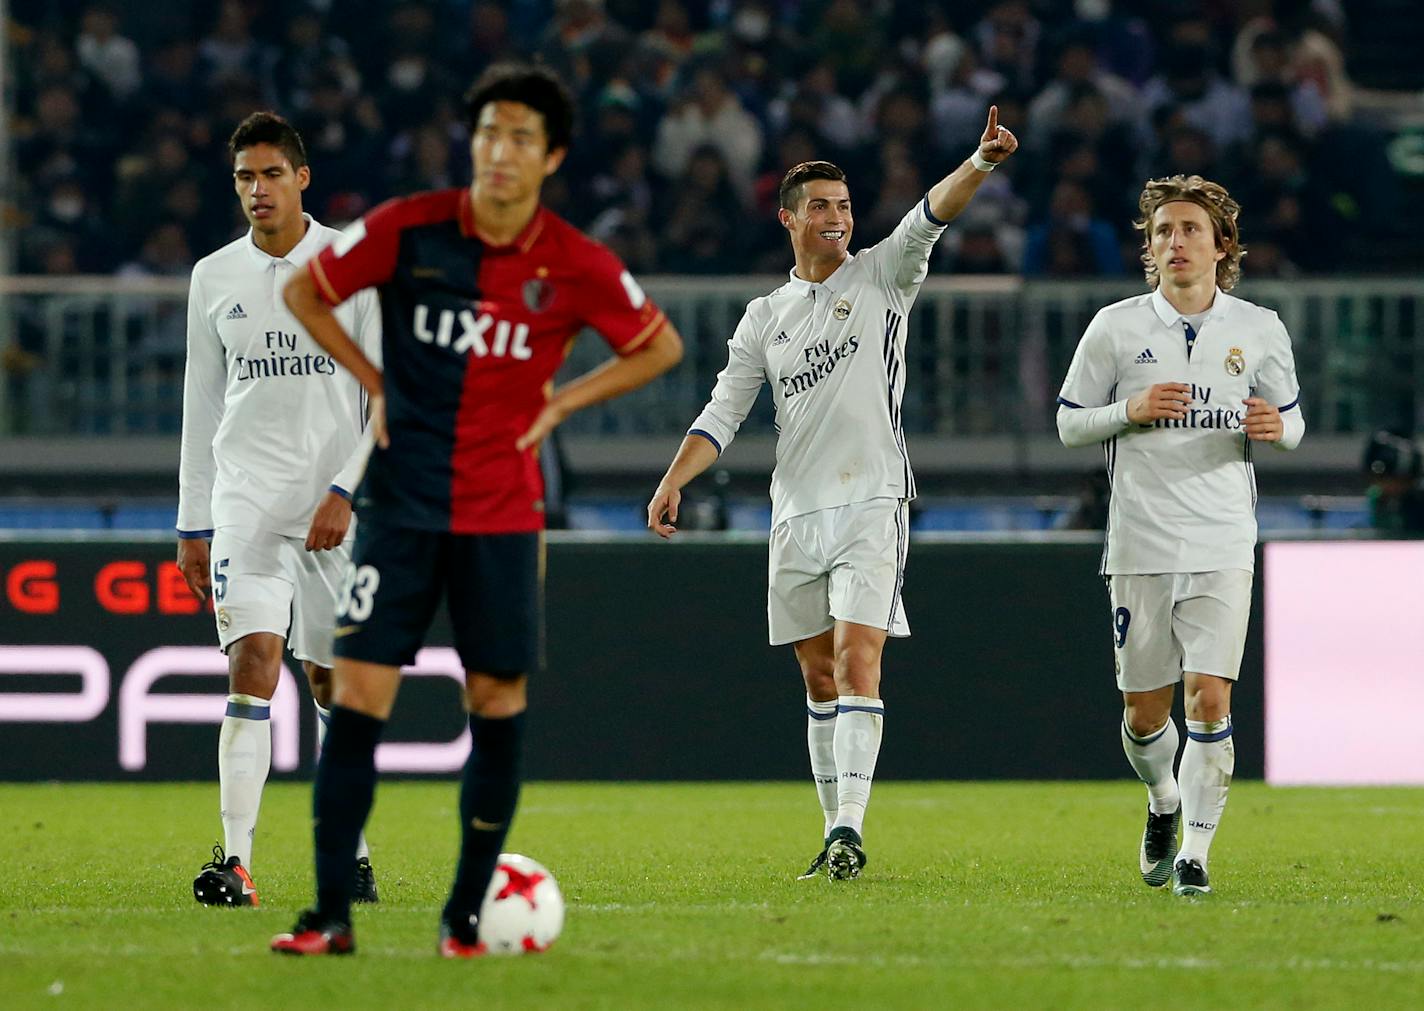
(362,256)
(613,304)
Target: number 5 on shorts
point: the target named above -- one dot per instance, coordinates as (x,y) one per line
(1122,618)
(358,596)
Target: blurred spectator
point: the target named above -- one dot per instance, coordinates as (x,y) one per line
(583,45)
(702,215)
(58,142)
(1007,39)
(1261,62)
(1078,73)
(1072,241)
(490,37)
(173,81)
(416,79)
(901,187)
(69,220)
(815,104)
(342,130)
(709,114)
(957,114)
(850,38)
(107,55)
(1188,81)
(165,253)
(230,52)
(306,52)
(942,51)
(144,177)
(1395,465)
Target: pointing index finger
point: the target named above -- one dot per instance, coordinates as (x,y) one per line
(993,127)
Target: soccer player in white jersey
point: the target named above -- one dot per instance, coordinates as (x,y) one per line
(272,449)
(831,341)
(1177,384)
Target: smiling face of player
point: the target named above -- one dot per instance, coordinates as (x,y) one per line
(271,194)
(510,150)
(1184,247)
(820,228)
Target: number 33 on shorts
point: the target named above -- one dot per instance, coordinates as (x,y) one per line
(358,596)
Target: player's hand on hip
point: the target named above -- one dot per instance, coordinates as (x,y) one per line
(665,502)
(998,141)
(548,420)
(195,562)
(329,523)
(1263,420)
(1160,400)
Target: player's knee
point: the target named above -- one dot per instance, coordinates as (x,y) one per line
(819,673)
(496,697)
(253,669)
(1144,721)
(1146,714)
(1208,707)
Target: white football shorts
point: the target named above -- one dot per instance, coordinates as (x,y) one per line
(1178,621)
(265,582)
(846,563)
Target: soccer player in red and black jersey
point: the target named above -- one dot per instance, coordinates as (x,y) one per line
(482,291)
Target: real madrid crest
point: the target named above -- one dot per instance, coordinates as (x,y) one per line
(224,622)
(1235,362)
(842,309)
(538,294)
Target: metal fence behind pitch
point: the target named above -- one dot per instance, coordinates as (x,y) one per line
(105,356)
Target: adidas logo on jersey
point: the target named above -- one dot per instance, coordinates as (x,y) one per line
(781,338)
(236,312)
(1145,358)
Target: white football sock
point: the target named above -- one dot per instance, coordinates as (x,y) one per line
(1207,764)
(323,717)
(244,759)
(820,742)
(859,721)
(1152,758)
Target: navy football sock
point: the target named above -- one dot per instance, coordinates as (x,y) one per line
(488,794)
(341,802)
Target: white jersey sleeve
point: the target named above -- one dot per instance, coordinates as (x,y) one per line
(1278,385)
(204,382)
(1088,408)
(737,386)
(901,261)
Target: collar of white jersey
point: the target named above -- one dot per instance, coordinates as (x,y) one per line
(304,250)
(1170,316)
(833,283)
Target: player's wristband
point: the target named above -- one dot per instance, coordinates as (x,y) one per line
(981,163)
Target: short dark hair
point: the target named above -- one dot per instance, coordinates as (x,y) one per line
(537,87)
(793,182)
(268,128)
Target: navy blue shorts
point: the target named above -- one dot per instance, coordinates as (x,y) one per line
(493,586)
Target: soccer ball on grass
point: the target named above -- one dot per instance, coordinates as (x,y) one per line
(523,910)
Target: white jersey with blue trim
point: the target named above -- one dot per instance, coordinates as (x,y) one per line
(270,421)
(834,354)
(1183,491)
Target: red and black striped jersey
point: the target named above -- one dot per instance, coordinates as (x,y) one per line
(473,334)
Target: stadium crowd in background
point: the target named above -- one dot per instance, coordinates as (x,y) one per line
(690,113)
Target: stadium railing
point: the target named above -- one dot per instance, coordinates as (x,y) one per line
(105,356)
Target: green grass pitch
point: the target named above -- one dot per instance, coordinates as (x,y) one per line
(1020,895)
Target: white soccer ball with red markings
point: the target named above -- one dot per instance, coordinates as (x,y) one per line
(523,910)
